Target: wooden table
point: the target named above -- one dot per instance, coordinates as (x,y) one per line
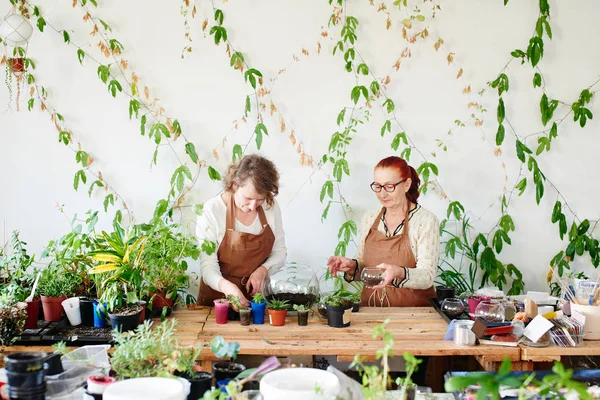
(532,355)
(419,331)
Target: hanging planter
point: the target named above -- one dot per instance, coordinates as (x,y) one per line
(16,65)
(15,30)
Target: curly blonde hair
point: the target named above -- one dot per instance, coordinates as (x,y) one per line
(260,170)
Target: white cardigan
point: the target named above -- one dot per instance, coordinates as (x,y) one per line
(211,227)
(424,237)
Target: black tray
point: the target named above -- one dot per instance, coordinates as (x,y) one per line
(436,306)
(47,333)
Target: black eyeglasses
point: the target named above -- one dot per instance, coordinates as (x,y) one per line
(390,187)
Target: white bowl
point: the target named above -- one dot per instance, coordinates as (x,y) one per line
(299,384)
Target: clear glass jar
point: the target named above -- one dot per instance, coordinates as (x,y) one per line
(490,311)
(296,283)
(452,307)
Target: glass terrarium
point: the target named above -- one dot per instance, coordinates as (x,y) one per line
(296,283)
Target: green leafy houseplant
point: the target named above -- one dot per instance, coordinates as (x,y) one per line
(12,321)
(14,263)
(56,281)
(300,307)
(226,350)
(165,254)
(258,298)
(278,305)
(121,274)
(152,351)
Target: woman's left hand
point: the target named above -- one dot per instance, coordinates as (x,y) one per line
(256,280)
(390,272)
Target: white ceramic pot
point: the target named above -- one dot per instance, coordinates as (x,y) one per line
(71,306)
(299,384)
(591,330)
(148,389)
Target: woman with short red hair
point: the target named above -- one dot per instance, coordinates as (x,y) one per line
(401,238)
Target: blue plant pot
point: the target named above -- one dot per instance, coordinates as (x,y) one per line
(99,315)
(258,312)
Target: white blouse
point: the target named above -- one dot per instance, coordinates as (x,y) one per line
(211,227)
(424,237)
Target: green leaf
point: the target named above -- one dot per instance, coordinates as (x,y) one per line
(208,247)
(109,199)
(103,73)
(198,209)
(41,23)
(562,226)
(114,86)
(82,157)
(506,223)
(190,150)
(501,83)
(583,227)
(250,76)
(325,212)
(535,50)
(134,108)
(518,53)
(80,56)
(498,238)
(326,189)
(237,60)
(544,7)
(213,174)
(355,94)
(143,125)
(406,153)
(339,168)
(79,176)
(105,25)
(501,112)
(455,208)
(95,183)
(237,153)
(556,211)
(387,126)
(219,16)
(161,208)
(248,107)
(66,37)
(500,135)
(539,191)
(374,87)
(30,103)
(396,142)
(537,80)
(341,116)
(259,130)
(64,136)
(521,150)
(389,105)
(176,127)
(362,69)
(553,131)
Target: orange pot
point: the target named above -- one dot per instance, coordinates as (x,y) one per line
(277,317)
(159,300)
(53,310)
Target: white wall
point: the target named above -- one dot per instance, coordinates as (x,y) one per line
(206,95)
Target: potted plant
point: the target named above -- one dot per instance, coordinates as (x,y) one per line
(258,305)
(339,311)
(165,256)
(12,321)
(245,312)
(277,311)
(228,350)
(302,314)
(55,285)
(221,310)
(121,276)
(16,65)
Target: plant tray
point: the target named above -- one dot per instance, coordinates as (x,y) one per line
(77,335)
(436,307)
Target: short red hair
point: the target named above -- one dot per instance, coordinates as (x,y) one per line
(405,171)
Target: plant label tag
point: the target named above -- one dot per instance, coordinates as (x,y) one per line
(346,316)
(536,328)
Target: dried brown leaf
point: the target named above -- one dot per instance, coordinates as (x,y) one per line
(324,33)
(397,65)
(478,122)
(293,138)
(497,151)
(281,124)
(450,58)
(204,24)
(124,64)
(388,23)
(215,154)
(460,72)
(147,92)
(305,52)
(467,90)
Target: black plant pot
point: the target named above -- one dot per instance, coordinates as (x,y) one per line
(199,384)
(125,323)
(444,292)
(303,318)
(222,371)
(356,306)
(25,362)
(335,316)
(54,364)
(232,315)
(86,307)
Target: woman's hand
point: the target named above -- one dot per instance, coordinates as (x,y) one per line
(256,280)
(390,272)
(229,288)
(340,264)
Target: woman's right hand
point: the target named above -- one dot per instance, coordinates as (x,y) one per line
(229,288)
(340,264)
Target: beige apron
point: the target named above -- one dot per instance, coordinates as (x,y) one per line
(239,254)
(392,250)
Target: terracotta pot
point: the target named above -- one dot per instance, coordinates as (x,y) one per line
(159,300)
(277,317)
(53,309)
(33,310)
(17,65)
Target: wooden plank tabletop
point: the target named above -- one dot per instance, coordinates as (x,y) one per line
(419,331)
(553,353)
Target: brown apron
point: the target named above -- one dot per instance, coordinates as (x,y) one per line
(239,254)
(392,250)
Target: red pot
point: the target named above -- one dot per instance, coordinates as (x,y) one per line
(17,65)
(277,317)
(33,310)
(53,310)
(159,300)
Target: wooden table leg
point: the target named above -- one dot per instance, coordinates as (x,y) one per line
(522,366)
